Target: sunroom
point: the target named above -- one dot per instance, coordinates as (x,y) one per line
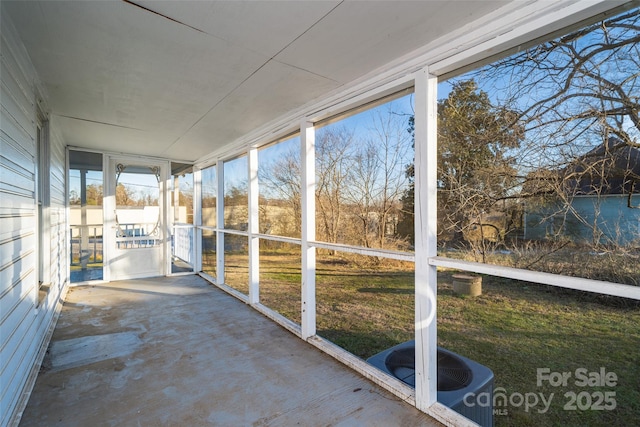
(335,166)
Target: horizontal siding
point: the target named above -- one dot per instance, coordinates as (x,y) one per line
(12,133)
(17,112)
(17,85)
(16,179)
(57,171)
(14,153)
(17,137)
(10,83)
(18,319)
(18,255)
(25,325)
(25,342)
(21,292)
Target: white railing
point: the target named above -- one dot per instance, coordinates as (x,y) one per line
(137,235)
(86,245)
(182,242)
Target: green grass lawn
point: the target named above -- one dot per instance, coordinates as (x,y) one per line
(89,265)
(514,328)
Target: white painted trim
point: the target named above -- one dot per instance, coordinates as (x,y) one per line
(220,223)
(292,240)
(43,204)
(226,288)
(356,100)
(107,203)
(288,324)
(425,222)
(67,218)
(254,241)
(197,219)
(448,416)
(165,192)
(577,283)
(395,386)
(207,277)
(522,24)
(130,156)
(308,252)
(397,255)
(230,231)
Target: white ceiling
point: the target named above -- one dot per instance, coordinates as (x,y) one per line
(180,80)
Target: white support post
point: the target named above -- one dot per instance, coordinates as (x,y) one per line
(84,229)
(426,117)
(254,241)
(165,197)
(173,191)
(175,214)
(197,220)
(108,223)
(308,154)
(220,223)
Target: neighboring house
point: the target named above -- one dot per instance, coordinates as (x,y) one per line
(600,202)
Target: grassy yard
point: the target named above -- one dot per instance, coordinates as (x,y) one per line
(514,328)
(76,267)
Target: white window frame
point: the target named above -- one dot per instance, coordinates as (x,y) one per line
(43,205)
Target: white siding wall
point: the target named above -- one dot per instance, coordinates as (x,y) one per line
(25,322)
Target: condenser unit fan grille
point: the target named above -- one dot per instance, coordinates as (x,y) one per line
(453,373)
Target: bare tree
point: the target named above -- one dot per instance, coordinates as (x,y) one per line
(578,98)
(573,93)
(282,181)
(378,179)
(333,166)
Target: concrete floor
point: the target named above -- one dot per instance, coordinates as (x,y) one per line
(179,351)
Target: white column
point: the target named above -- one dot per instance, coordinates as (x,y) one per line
(165,199)
(108,216)
(308,157)
(254,241)
(220,223)
(84,228)
(175,214)
(426,117)
(197,220)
